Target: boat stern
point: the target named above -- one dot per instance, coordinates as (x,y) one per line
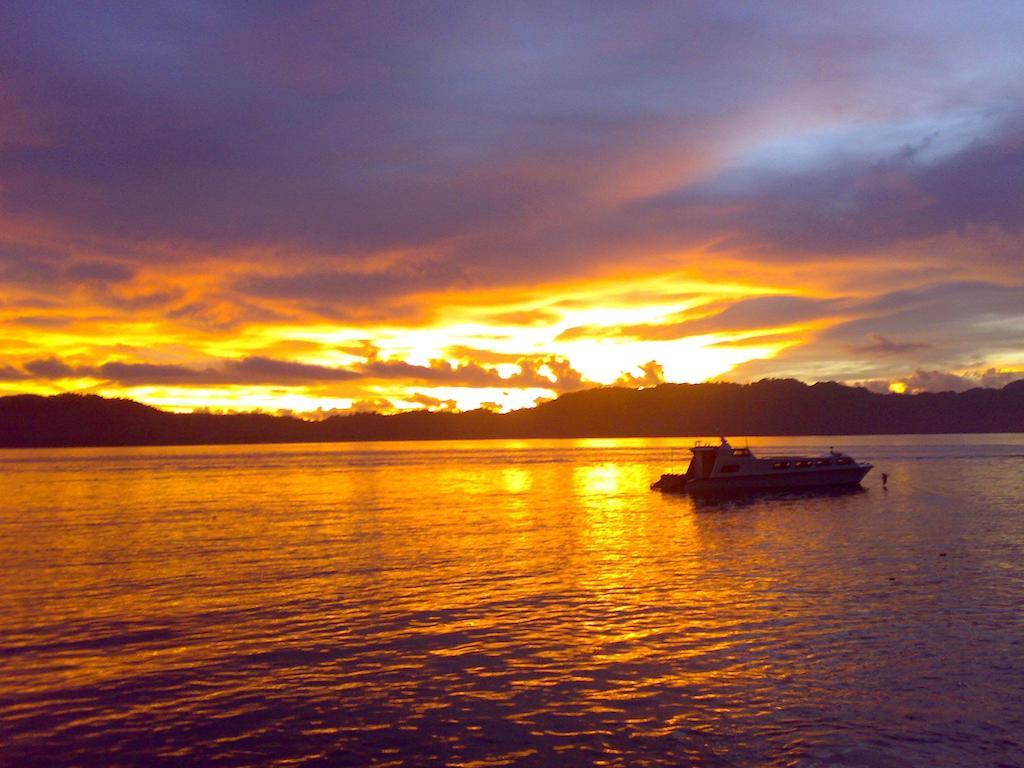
(670,483)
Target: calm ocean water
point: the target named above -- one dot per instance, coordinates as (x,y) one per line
(495,603)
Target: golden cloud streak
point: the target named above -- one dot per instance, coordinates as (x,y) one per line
(505,331)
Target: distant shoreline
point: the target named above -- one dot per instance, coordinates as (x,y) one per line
(770,408)
(428,440)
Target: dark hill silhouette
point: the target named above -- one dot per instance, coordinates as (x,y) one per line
(769,407)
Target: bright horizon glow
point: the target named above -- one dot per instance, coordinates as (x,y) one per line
(601,356)
(429,209)
(599,307)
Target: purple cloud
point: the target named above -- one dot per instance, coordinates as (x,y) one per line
(45,269)
(10,373)
(266,370)
(350,287)
(50,368)
(937,381)
(964,323)
(258,370)
(361,128)
(848,204)
(99,271)
(883,345)
(136,374)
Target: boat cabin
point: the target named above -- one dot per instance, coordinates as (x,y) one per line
(722,468)
(722,459)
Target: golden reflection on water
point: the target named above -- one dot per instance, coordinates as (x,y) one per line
(516,480)
(498,599)
(599,480)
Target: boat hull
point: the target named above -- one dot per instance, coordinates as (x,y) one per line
(791,480)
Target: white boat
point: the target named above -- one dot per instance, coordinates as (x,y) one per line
(724,469)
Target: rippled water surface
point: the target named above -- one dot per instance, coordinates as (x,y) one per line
(493,603)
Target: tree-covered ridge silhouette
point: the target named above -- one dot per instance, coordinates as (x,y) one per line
(768,407)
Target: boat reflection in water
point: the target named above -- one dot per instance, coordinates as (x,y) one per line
(722,469)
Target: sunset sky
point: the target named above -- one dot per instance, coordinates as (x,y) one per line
(302,206)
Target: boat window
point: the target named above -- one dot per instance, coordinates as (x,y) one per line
(780,465)
(802,464)
(844,460)
(731,468)
(824,462)
(741,452)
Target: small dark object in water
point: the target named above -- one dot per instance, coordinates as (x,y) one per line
(885,479)
(942,554)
